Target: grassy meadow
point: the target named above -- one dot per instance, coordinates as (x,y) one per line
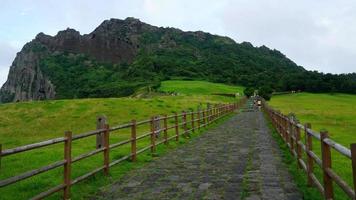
(198,87)
(334,112)
(29,122)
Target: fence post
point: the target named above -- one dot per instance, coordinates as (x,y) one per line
(299,147)
(326,161)
(218,111)
(185,123)
(192,117)
(282,128)
(353,158)
(285,130)
(176,126)
(133,141)
(67,165)
(208,109)
(279,124)
(213,113)
(198,121)
(309,148)
(204,119)
(290,136)
(208,116)
(165,135)
(106,149)
(100,124)
(153,135)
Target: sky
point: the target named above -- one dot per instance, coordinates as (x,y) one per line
(318,35)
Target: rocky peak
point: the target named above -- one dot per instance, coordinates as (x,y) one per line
(113,41)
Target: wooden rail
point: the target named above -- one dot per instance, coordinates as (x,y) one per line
(290,131)
(196,120)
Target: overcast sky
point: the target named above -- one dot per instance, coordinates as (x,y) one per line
(319,34)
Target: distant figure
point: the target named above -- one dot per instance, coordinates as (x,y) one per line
(259,104)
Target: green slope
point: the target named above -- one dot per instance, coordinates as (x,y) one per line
(333,112)
(28,122)
(198,87)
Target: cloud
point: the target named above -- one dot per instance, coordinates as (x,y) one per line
(7,55)
(316,34)
(319,35)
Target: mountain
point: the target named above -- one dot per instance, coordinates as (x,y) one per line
(120,56)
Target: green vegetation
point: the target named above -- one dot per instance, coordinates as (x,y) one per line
(249,91)
(165,53)
(198,87)
(28,122)
(85,78)
(333,112)
(299,176)
(265,92)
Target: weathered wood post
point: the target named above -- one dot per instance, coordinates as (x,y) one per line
(212,113)
(106,150)
(299,147)
(216,112)
(133,141)
(67,164)
(157,125)
(309,148)
(208,105)
(290,135)
(204,118)
(326,163)
(278,123)
(165,132)
(282,128)
(185,123)
(101,120)
(176,126)
(153,135)
(220,110)
(285,130)
(192,117)
(198,121)
(353,160)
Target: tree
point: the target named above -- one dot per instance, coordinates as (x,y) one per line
(249,91)
(265,92)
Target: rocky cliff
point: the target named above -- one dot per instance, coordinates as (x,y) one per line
(120,56)
(114,41)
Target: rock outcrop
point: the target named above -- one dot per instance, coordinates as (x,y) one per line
(113,41)
(121,56)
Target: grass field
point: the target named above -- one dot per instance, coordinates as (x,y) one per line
(28,122)
(198,87)
(334,112)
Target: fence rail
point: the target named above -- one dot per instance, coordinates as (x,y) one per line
(197,120)
(290,131)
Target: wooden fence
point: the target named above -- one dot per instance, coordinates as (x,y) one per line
(198,119)
(290,131)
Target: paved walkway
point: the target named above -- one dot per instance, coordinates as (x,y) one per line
(237,160)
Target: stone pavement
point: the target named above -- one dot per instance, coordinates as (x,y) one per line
(236,160)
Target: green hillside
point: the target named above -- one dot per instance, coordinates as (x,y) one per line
(333,112)
(198,87)
(28,122)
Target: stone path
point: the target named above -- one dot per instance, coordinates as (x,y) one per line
(236,160)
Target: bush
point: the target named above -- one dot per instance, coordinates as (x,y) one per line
(249,91)
(265,92)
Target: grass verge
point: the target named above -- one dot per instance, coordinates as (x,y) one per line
(299,177)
